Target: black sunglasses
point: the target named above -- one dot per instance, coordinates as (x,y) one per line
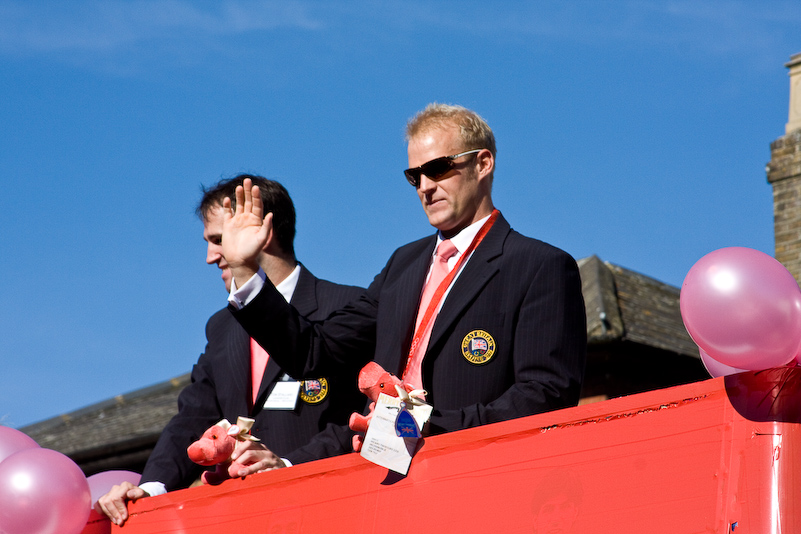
(436,168)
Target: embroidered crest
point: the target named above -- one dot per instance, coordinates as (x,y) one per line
(314,391)
(478,347)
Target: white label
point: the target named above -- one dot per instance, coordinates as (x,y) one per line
(284,396)
(382,445)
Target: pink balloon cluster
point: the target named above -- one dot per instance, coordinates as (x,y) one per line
(743,310)
(41,490)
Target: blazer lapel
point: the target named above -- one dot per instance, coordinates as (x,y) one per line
(473,278)
(304,299)
(411,285)
(237,349)
(404,294)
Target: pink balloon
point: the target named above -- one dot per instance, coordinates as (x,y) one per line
(42,492)
(715,368)
(101,483)
(12,441)
(743,308)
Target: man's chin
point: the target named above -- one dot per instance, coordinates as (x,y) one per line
(438,221)
(447,227)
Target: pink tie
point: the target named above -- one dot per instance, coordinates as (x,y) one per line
(258,363)
(439,271)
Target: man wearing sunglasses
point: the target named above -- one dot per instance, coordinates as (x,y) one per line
(502,336)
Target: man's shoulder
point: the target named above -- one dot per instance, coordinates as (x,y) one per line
(520,241)
(324,286)
(220,320)
(327,293)
(504,242)
(417,247)
(409,254)
(220,316)
(535,254)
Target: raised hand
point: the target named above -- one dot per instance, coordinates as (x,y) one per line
(245,232)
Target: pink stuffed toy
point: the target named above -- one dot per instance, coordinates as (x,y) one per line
(216,446)
(373,380)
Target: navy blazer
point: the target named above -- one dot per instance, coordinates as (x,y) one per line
(220,388)
(518,297)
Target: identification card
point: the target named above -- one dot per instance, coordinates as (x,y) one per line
(284,396)
(382,444)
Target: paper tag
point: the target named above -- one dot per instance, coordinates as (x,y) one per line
(382,445)
(284,396)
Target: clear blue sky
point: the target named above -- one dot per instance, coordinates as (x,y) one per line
(637,131)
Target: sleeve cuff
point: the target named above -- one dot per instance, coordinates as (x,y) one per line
(154,488)
(241,297)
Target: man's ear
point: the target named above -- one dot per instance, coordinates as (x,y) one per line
(485,163)
(271,246)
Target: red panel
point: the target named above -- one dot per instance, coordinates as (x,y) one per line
(706,457)
(97,524)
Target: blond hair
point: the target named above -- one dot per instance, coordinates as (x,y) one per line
(474,131)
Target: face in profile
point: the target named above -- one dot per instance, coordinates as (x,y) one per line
(212,234)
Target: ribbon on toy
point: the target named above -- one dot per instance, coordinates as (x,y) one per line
(415,397)
(241,430)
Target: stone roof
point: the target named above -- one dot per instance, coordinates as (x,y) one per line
(627,306)
(621,306)
(127,424)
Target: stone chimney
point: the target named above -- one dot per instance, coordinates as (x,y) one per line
(784,173)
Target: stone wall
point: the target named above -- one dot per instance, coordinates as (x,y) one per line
(784,174)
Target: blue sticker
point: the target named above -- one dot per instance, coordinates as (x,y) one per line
(405,425)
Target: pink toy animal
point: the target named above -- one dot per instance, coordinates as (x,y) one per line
(373,380)
(216,446)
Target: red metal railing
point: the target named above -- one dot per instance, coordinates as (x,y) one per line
(715,456)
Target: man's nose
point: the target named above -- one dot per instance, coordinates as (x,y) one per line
(213,254)
(426,184)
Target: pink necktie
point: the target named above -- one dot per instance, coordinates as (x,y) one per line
(258,363)
(439,271)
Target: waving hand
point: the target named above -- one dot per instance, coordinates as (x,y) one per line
(246,232)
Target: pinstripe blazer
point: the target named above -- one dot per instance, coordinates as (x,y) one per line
(221,385)
(509,341)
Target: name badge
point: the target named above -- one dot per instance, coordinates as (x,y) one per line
(284,396)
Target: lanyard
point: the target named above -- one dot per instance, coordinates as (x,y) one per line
(419,333)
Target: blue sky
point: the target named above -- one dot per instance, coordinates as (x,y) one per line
(636,131)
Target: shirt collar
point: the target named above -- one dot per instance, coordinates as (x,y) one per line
(463,239)
(288,284)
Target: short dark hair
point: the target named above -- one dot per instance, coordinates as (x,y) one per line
(274,196)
